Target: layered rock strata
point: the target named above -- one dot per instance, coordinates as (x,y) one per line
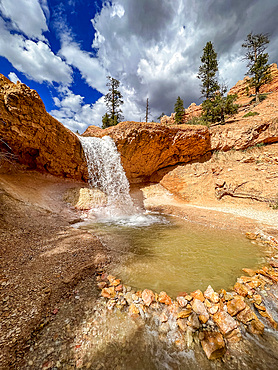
(35,138)
(148,147)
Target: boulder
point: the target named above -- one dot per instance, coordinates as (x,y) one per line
(149,147)
(34,137)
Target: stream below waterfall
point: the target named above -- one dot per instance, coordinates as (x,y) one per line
(173,255)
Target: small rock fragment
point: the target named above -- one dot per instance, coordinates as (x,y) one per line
(236,305)
(164,298)
(182,301)
(241,289)
(148,297)
(256,327)
(182,323)
(213,345)
(108,292)
(225,322)
(211,295)
(198,294)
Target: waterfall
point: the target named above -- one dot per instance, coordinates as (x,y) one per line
(106,173)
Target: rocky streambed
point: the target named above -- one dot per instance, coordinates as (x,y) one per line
(217,320)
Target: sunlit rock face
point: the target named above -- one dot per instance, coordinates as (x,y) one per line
(149,147)
(34,137)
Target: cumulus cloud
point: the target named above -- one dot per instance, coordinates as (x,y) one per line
(33,58)
(74,113)
(26,16)
(13,77)
(90,68)
(154,47)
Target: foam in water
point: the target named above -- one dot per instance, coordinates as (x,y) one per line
(107,174)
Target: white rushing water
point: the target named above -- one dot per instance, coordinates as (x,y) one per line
(107,174)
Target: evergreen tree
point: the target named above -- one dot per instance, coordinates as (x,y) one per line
(113,100)
(179,110)
(207,71)
(258,67)
(215,110)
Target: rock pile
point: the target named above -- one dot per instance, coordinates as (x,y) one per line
(214,319)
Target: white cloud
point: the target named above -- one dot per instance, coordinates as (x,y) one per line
(90,68)
(33,58)
(13,77)
(76,115)
(26,16)
(154,47)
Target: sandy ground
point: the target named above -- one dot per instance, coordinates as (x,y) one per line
(42,257)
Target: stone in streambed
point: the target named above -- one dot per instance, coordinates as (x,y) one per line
(198,294)
(241,289)
(213,345)
(184,314)
(182,301)
(211,295)
(234,336)
(257,298)
(163,317)
(256,327)
(108,292)
(164,298)
(148,297)
(236,305)
(182,324)
(225,322)
(101,285)
(200,309)
(193,321)
(246,315)
(133,310)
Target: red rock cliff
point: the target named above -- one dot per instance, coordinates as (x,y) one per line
(148,147)
(34,137)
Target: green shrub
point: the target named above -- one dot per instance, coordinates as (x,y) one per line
(250,114)
(198,121)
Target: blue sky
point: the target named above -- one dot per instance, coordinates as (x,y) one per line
(65,50)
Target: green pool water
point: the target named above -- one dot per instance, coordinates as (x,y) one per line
(176,256)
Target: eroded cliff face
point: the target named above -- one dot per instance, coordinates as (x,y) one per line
(242,89)
(34,137)
(148,147)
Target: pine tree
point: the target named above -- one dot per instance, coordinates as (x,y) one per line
(207,71)
(179,110)
(258,67)
(215,110)
(113,100)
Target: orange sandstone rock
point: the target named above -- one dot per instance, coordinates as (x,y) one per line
(164,298)
(148,297)
(148,147)
(213,345)
(34,137)
(198,294)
